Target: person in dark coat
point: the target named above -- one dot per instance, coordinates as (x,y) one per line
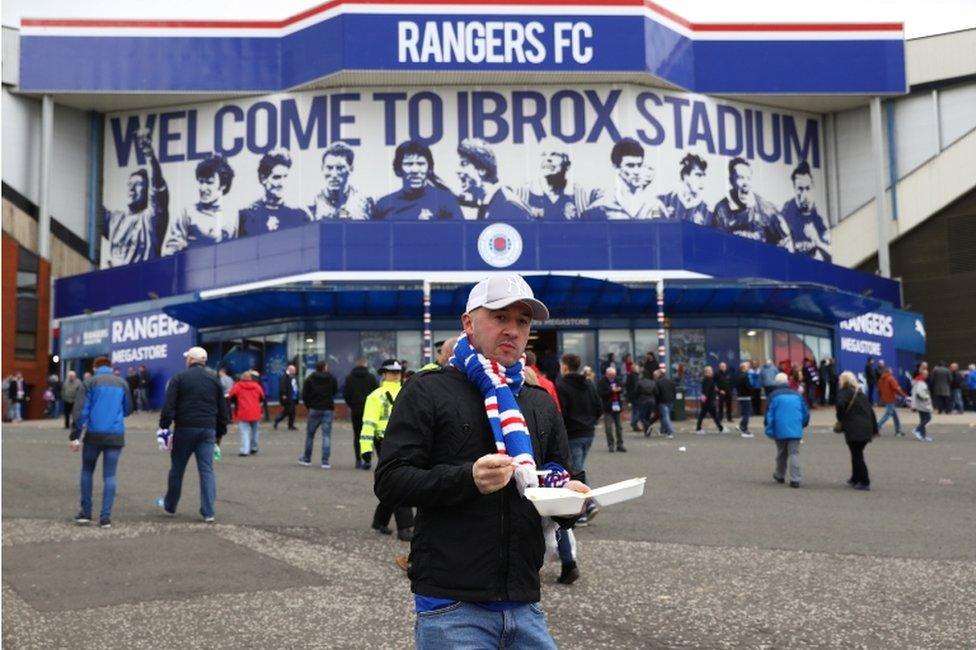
(859,424)
(870,378)
(708,398)
(288,397)
(723,382)
(359,383)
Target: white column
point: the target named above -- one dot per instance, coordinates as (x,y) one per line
(877,140)
(428,344)
(44,200)
(662,351)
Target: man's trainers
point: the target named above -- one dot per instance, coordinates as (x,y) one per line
(592,510)
(724,430)
(82,519)
(918,436)
(104,522)
(209,520)
(778,479)
(302,461)
(670,436)
(927,439)
(746,434)
(649,431)
(161,504)
(326,466)
(700,432)
(794,484)
(621,449)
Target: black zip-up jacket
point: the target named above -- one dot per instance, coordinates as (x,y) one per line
(195,399)
(666,391)
(466,546)
(723,380)
(859,420)
(319,390)
(360,382)
(742,386)
(708,389)
(581,405)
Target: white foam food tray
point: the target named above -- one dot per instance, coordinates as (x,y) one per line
(562,502)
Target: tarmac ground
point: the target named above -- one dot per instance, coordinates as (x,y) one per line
(715,554)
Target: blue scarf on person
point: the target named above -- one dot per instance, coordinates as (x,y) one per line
(500,385)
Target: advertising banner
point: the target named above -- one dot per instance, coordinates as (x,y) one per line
(197,175)
(84,338)
(875,336)
(152,340)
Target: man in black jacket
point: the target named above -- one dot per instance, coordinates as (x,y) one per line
(359,383)
(723,382)
(706,403)
(318,393)
(611,396)
(288,397)
(195,404)
(478,544)
(666,393)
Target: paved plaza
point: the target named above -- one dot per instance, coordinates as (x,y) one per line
(715,555)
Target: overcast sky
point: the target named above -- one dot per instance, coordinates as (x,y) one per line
(921,18)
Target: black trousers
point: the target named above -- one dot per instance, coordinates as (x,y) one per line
(287,411)
(756,401)
(709,409)
(859,470)
(68,407)
(403,514)
(356,413)
(725,406)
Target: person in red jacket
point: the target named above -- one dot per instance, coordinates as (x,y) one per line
(543,381)
(249,396)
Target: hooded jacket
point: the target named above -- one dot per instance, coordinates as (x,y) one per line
(581,405)
(360,382)
(101,408)
(786,414)
(249,396)
(319,391)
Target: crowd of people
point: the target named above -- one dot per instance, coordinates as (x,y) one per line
(458,442)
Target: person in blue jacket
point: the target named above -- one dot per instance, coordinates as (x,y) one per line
(786,417)
(100,413)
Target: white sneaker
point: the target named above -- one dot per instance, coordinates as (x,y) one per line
(918,436)
(700,432)
(326,466)
(724,430)
(747,435)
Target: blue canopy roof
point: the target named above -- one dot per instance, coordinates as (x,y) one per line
(566,297)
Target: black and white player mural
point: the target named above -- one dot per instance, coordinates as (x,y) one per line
(207,173)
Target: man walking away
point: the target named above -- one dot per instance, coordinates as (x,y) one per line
(666,392)
(767,376)
(580,410)
(249,395)
(956,383)
(888,391)
(70,393)
(723,382)
(871,379)
(195,405)
(288,397)
(786,417)
(319,393)
(744,395)
(132,381)
(709,395)
(359,383)
(101,407)
(142,395)
(611,396)
(379,405)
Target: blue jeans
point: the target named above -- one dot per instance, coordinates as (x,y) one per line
(634,414)
(466,625)
(890,412)
(745,412)
(188,442)
(924,417)
(564,546)
(664,410)
(249,436)
(578,448)
(315,418)
(956,401)
(110,461)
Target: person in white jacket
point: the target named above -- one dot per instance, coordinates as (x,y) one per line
(922,402)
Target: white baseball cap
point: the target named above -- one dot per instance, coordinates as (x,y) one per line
(499,291)
(196,352)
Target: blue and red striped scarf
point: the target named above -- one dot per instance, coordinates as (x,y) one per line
(500,385)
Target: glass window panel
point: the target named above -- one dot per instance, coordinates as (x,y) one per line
(755,345)
(343,353)
(26,260)
(26,315)
(781,348)
(409,345)
(377,346)
(687,357)
(582,343)
(645,341)
(617,342)
(25,346)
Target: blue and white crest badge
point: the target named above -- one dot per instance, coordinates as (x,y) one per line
(500,245)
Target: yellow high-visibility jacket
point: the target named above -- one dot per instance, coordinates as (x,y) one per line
(376,414)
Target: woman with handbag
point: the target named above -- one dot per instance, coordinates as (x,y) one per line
(857,421)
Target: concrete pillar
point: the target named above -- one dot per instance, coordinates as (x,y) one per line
(44,200)
(877,140)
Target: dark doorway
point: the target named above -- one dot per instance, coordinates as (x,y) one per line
(545,344)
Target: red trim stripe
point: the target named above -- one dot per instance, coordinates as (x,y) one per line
(512,420)
(308,13)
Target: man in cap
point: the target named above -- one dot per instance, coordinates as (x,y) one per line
(462,444)
(552,195)
(195,404)
(482,197)
(376,415)
(444,349)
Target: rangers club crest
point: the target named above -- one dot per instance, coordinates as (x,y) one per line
(500,245)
